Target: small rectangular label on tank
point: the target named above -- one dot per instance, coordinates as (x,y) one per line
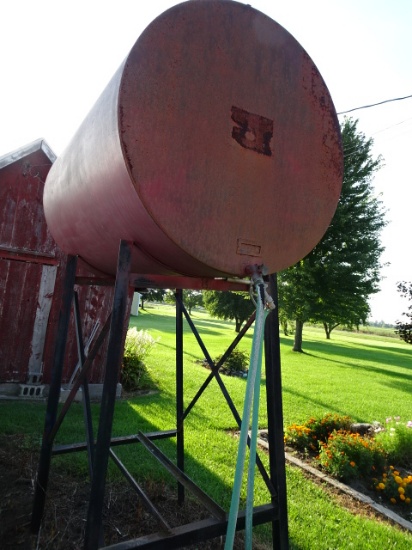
(248,248)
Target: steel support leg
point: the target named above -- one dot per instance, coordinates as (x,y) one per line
(113,362)
(275,421)
(87,412)
(179,393)
(54,395)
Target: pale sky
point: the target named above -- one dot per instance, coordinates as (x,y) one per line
(57,57)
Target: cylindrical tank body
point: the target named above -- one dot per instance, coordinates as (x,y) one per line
(215,146)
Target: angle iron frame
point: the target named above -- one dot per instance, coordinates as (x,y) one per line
(101,449)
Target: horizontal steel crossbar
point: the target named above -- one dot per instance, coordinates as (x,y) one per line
(195,532)
(115,441)
(204,498)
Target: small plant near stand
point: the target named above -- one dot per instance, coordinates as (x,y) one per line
(396,437)
(138,345)
(395,487)
(308,436)
(236,364)
(347,456)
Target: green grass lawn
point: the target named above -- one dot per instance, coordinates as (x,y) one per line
(365,376)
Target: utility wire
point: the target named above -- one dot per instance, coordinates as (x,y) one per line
(374,104)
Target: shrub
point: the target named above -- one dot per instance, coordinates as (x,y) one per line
(396,438)
(323,427)
(137,347)
(395,488)
(349,455)
(300,437)
(308,436)
(237,361)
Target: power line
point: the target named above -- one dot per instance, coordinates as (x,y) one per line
(374,104)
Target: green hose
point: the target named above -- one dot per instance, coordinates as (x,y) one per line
(252,394)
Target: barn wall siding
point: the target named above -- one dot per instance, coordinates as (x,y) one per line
(32,268)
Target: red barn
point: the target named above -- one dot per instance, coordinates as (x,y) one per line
(32,268)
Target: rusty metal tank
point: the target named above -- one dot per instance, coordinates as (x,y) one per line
(215,146)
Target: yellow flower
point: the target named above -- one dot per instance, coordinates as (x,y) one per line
(407,500)
(401,490)
(393,500)
(402,497)
(381,486)
(398,479)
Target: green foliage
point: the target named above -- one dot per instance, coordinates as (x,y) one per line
(300,437)
(152,295)
(396,438)
(394,487)
(137,347)
(405,329)
(308,436)
(237,361)
(229,305)
(332,284)
(323,427)
(191,299)
(348,455)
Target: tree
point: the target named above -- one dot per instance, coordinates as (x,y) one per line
(229,305)
(332,284)
(405,329)
(151,295)
(191,299)
(296,294)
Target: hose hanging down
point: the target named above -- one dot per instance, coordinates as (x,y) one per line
(252,396)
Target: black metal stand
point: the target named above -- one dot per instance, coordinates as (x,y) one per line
(102,449)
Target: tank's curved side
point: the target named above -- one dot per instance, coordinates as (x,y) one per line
(215,146)
(91,204)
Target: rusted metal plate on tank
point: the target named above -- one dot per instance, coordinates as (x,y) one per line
(230,150)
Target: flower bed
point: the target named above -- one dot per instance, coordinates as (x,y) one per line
(332,444)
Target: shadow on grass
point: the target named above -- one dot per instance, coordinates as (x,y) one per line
(362,352)
(167,324)
(156,413)
(309,399)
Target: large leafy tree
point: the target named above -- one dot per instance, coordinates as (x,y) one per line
(228,305)
(404,329)
(191,298)
(152,295)
(332,284)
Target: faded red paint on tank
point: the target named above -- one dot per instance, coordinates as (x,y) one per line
(215,146)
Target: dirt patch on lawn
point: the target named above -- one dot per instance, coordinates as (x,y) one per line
(124,516)
(66,507)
